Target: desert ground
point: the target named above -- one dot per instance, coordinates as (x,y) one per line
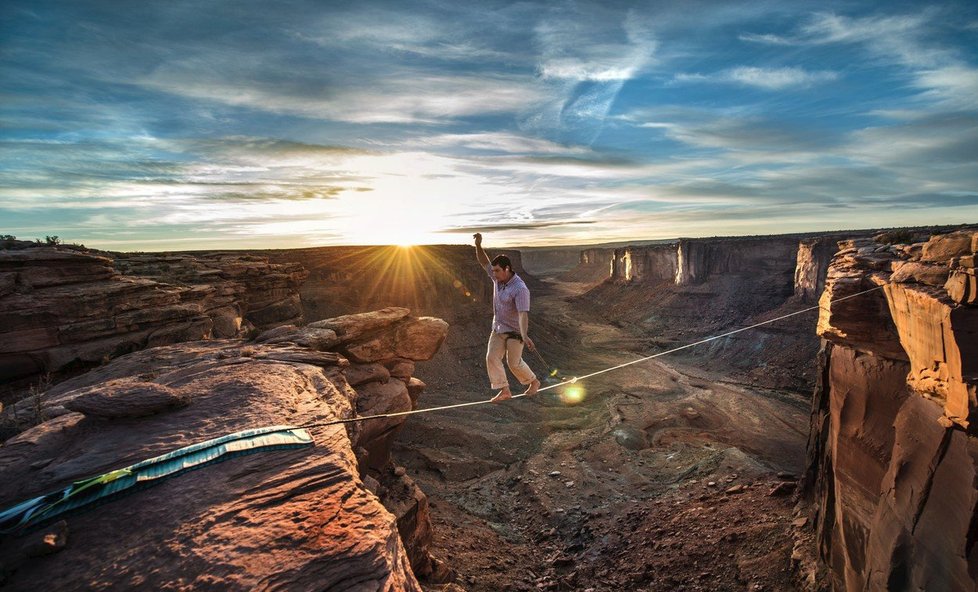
(663,476)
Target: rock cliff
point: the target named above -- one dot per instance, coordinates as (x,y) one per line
(337,516)
(811,267)
(893,454)
(63,308)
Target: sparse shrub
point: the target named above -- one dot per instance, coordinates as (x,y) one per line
(52,240)
(895,237)
(7,240)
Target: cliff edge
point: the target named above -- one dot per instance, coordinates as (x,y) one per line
(336,515)
(893,455)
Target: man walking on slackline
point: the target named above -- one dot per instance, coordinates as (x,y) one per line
(510,321)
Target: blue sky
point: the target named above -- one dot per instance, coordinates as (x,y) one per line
(237,124)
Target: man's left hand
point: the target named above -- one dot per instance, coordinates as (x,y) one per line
(529,343)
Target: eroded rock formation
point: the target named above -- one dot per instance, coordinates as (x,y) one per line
(893,454)
(62,307)
(812,266)
(337,515)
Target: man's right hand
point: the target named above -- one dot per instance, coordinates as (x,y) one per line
(478,239)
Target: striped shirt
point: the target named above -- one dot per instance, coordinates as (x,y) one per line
(508,300)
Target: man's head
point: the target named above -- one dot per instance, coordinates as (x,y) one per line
(502,268)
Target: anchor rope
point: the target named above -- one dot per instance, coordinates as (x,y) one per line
(586,376)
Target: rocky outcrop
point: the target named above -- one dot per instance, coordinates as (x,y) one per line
(62,308)
(893,454)
(260,293)
(812,266)
(637,264)
(337,515)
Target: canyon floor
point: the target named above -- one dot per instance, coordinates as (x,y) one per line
(665,476)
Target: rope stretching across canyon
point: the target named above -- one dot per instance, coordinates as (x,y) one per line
(586,376)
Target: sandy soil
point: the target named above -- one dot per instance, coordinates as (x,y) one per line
(662,477)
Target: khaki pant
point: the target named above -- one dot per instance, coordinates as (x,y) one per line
(512,348)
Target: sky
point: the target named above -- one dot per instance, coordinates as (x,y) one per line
(236,124)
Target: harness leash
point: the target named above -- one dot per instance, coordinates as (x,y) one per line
(586,376)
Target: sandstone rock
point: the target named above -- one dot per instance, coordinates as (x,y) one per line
(70,307)
(127,397)
(377,398)
(357,374)
(279,334)
(811,267)
(962,287)
(400,368)
(945,246)
(891,454)
(311,523)
(415,388)
(372,350)
(420,339)
(350,327)
(912,271)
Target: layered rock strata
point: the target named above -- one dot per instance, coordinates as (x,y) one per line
(693,261)
(335,516)
(893,454)
(62,307)
(812,266)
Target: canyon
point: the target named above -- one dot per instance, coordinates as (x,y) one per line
(713,468)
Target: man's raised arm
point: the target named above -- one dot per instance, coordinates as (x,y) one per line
(480,254)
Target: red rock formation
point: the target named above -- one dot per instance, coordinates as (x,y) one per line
(893,467)
(636,264)
(314,518)
(811,267)
(61,307)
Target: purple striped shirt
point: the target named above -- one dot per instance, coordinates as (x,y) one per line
(508,300)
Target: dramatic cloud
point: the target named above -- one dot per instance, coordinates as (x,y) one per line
(181,125)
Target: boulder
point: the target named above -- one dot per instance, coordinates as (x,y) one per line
(127,397)
(357,374)
(420,339)
(944,247)
(922,273)
(354,326)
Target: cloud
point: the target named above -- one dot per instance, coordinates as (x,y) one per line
(766,39)
(403,97)
(515,226)
(765,78)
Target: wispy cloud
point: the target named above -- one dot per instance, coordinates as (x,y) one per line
(765,78)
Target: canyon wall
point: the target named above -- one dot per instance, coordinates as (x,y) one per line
(637,264)
(63,308)
(812,266)
(893,455)
(334,515)
(692,261)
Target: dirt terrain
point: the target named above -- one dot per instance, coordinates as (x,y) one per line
(654,476)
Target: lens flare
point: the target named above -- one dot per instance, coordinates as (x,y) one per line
(573,394)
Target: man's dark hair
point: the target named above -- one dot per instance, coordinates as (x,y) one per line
(502,261)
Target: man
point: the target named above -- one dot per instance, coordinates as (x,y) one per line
(510,323)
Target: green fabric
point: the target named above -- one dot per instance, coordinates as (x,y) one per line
(87,492)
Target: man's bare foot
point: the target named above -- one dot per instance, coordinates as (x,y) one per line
(533,388)
(501,396)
